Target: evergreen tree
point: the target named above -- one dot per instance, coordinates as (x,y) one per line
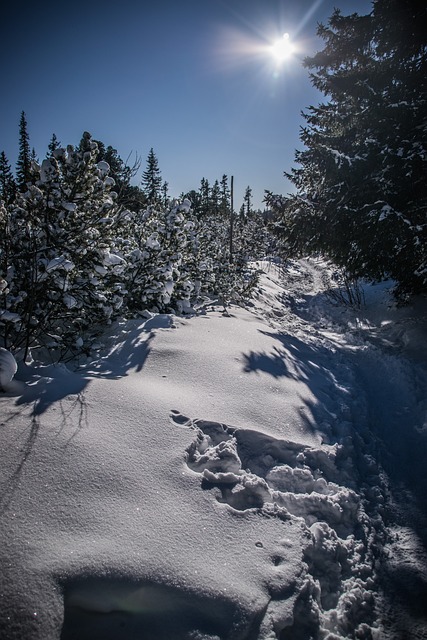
(165,189)
(23,165)
(152,180)
(361,189)
(7,181)
(128,195)
(195,198)
(61,272)
(53,145)
(247,201)
(215,199)
(204,191)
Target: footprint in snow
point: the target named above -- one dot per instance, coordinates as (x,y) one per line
(251,470)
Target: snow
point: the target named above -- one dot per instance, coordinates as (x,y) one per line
(69,206)
(47,170)
(386,211)
(3,286)
(9,316)
(153,241)
(103,167)
(69,301)
(111,259)
(61,262)
(252,475)
(8,368)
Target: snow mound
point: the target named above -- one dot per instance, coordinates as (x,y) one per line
(8,368)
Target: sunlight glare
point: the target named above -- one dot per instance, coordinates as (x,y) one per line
(282,49)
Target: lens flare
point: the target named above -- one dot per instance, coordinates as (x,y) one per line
(283,48)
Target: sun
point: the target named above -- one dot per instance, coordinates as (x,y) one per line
(282,49)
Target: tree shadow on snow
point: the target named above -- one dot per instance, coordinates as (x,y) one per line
(130,351)
(44,388)
(305,363)
(9,487)
(45,385)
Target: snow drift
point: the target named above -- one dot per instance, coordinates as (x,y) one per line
(222,477)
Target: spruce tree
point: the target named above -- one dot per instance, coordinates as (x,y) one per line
(215,199)
(129,196)
(194,197)
(53,145)
(204,190)
(361,189)
(247,201)
(165,190)
(152,180)
(23,165)
(7,181)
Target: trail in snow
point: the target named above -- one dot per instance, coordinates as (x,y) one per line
(378,359)
(250,470)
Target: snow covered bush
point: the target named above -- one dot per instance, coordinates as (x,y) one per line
(56,253)
(158,247)
(227,272)
(72,259)
(172,259)
(8,368)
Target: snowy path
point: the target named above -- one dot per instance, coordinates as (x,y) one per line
(256,476)
(382,353)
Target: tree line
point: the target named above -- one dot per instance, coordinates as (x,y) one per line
(80,245)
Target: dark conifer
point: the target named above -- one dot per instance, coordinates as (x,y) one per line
(247,202)
(225,197)
(54,144)
(23,165)
(7,181)
(361,191)
(152,180)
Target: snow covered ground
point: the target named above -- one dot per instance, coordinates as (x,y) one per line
(259,474)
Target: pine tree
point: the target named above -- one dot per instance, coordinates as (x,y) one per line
(361,190)
(204,190)
(247,201)
(152,180)
(54,144)
(23,165)
(63,275)
(165,190)
(7,181)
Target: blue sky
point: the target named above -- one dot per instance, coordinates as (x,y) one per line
(194,79)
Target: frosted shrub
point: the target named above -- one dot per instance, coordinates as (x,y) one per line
(59,264)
